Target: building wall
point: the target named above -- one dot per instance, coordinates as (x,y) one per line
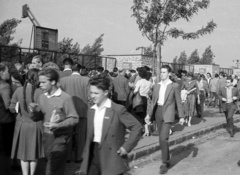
(128,61)
(204,69)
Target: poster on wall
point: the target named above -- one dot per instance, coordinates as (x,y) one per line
(126,65)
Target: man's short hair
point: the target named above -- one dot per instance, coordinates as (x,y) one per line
(68,61)
(51,73)
(102,83)
(216,75)
(209,74)
(76,67)
(169,69)
(100,69)
(115,69)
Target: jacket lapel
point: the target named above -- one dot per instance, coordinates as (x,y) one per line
(169,88)
(107,122)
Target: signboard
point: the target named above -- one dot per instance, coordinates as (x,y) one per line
(126,65)
(45,38)
(202,70)
(236,72)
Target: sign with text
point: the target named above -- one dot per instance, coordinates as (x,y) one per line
(45,38)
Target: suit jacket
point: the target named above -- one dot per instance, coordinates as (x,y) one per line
(116,120)
(76,85)
(221,83)
(172,98)
(223,94)
(65,73)
(121,88)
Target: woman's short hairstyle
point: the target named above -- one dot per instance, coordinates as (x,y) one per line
(51,73)
(100,82)
(142,73)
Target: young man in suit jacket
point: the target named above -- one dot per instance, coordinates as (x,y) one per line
(106,150)
(229,96)
(166,95)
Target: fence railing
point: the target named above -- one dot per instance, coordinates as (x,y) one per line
(18,54)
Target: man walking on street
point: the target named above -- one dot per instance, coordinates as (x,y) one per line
(229,96)
(166,95)
(213,91)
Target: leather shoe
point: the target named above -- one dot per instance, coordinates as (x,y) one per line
(164,168)
(231,133)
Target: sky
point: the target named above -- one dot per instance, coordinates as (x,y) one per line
(85,20)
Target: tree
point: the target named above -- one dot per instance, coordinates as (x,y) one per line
(95,49)
(193,58)
(7,29)
(175,60)
(182,58)
(207,56)
(67,46)
(154,18)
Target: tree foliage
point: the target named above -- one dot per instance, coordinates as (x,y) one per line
(154,19)
(194,57)
(207,56)
(96,48)
(175,60)
(67,46)
(182,58)
(7,29)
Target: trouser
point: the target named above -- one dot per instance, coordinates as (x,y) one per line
(56,150)
(200,107)
(213,95)
(164,130)
(230,111)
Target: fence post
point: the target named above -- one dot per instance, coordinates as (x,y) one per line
(0,54)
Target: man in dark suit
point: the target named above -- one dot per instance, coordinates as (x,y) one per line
(229,96)
(166,95)
(121,88)
(221,84)
(67,62)
(77,86)
(106,150)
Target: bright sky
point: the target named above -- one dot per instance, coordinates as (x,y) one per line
(85,20)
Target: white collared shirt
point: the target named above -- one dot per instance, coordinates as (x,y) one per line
(67,69)
(98,120)
(143,86)
(56,94)
(75,73)
(162,92)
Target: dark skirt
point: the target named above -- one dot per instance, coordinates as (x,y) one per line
(27,141)
(141,111)
(189,105)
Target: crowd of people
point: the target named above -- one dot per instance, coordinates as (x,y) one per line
(84,115)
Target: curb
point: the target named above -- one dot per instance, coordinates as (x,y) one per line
(178,140)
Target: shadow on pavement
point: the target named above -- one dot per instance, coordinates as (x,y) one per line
(181,152)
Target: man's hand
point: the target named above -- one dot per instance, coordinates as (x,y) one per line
(234,98)
(181,121)
(32,107)
(224,99)
(147,119)
(122,152)
(51,126)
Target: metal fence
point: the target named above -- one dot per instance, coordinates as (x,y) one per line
(17,54)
